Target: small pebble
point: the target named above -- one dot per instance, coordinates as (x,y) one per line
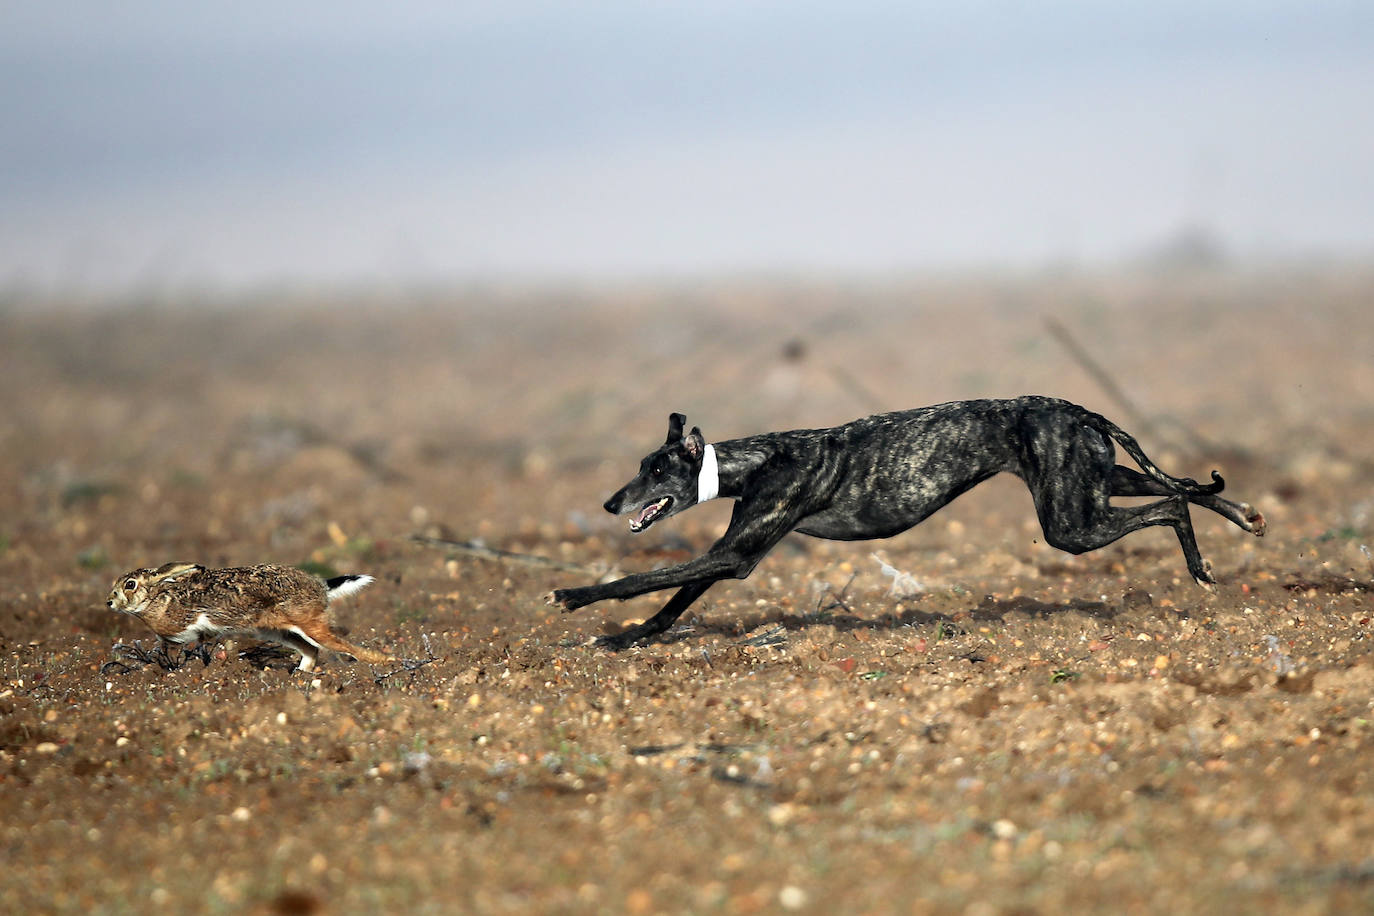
(780,814)
(792,897)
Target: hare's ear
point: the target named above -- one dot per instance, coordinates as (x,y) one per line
(173,570)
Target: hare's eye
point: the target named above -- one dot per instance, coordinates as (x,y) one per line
(130,584)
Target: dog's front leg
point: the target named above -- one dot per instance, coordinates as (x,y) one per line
(756,525)
(658,623)
(717,563)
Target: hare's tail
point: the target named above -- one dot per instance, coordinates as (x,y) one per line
(343,586)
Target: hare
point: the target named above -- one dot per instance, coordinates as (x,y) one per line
(185,602)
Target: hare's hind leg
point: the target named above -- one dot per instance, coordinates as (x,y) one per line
(294,637)
(320,634)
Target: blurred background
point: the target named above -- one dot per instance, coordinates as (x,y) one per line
(157,149)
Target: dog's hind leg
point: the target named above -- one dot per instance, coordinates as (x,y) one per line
(1130,482)
(1080,525)
(1072,475)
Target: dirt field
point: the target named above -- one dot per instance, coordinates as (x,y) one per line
(1029,732)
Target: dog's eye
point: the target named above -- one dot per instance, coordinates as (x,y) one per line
(657,470)
(130,584)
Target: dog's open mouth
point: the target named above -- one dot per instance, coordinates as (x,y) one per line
(646,516)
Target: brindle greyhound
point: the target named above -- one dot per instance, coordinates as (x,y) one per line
(881,475)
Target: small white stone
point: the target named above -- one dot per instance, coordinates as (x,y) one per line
(242,814)
(792,897)
(1003,829)
(46,747)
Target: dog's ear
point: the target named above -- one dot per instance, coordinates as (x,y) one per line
(695,443)
(675,423)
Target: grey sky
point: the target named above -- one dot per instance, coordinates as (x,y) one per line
(236,143)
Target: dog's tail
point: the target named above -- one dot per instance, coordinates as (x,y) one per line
(1186,486)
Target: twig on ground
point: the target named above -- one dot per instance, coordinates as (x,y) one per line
(263,655)
(861,392)
(1196,441)
(483,552)
(124,657)
(773,636)
(836,600)
(1099,374)
(411,664)
(407,664)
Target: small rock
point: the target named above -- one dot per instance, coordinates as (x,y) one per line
(1137,598)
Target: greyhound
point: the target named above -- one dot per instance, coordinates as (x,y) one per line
(879,476)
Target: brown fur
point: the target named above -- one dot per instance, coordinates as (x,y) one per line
(184,603)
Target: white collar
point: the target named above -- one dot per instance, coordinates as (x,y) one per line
(708,482)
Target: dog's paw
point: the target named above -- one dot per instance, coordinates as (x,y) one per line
(1204,578)
(566,599)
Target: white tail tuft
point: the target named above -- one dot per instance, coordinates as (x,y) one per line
(343,586)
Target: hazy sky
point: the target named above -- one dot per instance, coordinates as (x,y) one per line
(234,144)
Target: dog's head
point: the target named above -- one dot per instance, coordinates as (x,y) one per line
(667,479)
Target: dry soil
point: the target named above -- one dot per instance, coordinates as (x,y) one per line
(1012,730)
